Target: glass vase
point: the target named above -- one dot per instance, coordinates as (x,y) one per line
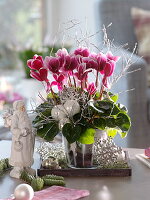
(80,155)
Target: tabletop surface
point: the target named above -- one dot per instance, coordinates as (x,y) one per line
(136,187)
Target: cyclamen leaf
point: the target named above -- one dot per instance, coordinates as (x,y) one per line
(123,134)
(122,108)
(88,136)
(36,121)
(43,107)
(111,122)
(97,95)
(114,97)
(50,95)
(111,132)
(123,122)
(115,110)
(49,131)
(104,107)
(100,123)
(71,133)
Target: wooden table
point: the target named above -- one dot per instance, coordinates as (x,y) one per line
(136,187)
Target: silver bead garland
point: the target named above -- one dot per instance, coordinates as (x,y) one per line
(47,150)
(106,152)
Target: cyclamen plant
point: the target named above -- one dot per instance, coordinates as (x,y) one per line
(79,106)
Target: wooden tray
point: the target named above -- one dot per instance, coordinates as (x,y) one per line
(89,172)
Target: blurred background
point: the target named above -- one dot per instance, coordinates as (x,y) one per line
(37,26)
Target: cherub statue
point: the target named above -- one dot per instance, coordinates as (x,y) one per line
(23,139)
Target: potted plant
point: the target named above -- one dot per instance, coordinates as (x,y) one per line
(75,106)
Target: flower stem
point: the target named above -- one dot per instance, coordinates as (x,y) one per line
(101,92)
(96,82)
(53,96)
(81,85)
(69,80)
(74,82)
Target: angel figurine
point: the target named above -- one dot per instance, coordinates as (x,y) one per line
(23,139)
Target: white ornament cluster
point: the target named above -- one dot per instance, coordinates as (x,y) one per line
(47,150)
(63,112)
(107,153)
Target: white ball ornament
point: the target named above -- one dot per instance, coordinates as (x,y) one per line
(63,121)
(58,112)
(23,192)
(72,107)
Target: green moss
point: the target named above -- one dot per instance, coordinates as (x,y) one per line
(54,177)
(116,165)
(50,182)
(63,163)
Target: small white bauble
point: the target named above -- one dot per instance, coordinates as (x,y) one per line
(23,192)
(62,122)
(72,107)
(58,112)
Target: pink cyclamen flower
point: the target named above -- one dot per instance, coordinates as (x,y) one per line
(105,82)
(90,63)
(82,72)
(36,63)
(58,81)
(82,52)
(41,75)
(101,62)
(70,63)
(109,68)
(53,64)
(111,57)
(108,71)
(62,52)
(91,88)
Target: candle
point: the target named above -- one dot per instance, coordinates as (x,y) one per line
(5,87)
(7,95)
(2,105)
(6,92)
